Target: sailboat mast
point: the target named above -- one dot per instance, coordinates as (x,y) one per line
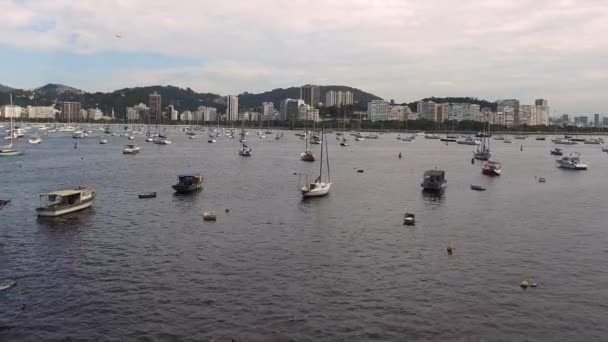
(321,164)
(326,153)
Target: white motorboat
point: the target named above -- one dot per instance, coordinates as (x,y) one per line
(78,135)
(65,201)
(431,136)
(103,141)
(130,149)
(571,162)
(162,141)
(34,140)
(131,137)
(149,139)
(211,140)
(67,129)
(359,138)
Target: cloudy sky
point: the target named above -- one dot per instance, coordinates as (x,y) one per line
(396,49)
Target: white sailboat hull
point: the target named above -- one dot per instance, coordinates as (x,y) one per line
(319,189)
(8,153)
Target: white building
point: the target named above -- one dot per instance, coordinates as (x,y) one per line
(232,108)
(172,114)
(8,111)
(309,113)
(187,116)
(252,116)
(290,109)
(132,113)
(504,117)
(268,110)
(542,112)
(378,110)
(209,113)
(40,112)
(94,114)
(338,98)
(400,113)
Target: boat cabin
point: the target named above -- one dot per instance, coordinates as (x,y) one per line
(189,179)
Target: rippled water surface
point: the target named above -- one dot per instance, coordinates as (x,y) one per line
(276,268)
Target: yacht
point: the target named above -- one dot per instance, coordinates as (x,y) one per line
(307,156)
(491,168)
(434,180)
(65,201)
(571,162)
(484,154)
(130,149)
(319,187)
(188,182)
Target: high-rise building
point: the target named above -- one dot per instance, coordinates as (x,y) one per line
(514,105)
(399,113)
(378,110)
(171,113)
(565,119)
(70,111)
(232,108)
(94,114)
(267,110)
(310,94)
(541,103)
(209,113)
(605,121)
(338,98)
(154,103)
(596,120)
(290,109)
(427,110)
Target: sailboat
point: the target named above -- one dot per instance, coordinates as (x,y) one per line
(483,150)
(307,154)
(319,188)
(7,151)
(344,141)
(244,150)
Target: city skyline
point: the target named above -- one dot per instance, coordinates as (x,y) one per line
(489,49)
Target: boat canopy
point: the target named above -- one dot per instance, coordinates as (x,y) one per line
(63,193)
(434,173)
(189,174)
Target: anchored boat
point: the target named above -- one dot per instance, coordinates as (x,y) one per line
(188,182)
(63,202)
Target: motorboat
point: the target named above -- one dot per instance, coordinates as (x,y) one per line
(491,168)
(477,188)
(564,142)
(571,162)
(433,180)
(63,202)
(131,137)
(593,141)
(431,136)
(541,138)
(34,140)
(409,219)
(507,141)
(307,156)
(147,195)
(103,141)
(130,149)
(359,138)
(78,135)
(211,140)
(188,182)
(162,141)
(557,152)
(468,141)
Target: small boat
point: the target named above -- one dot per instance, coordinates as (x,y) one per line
(449,139)
(307,156)
(371,136)
(468,141)
(131,137)
(542,180)
(245,151)
(103,141)
(316,140)
(433,180)
(63,202)
(564,142)
(147,195)
(7,284)
(491,168)
(130,149)
(482,155)
(541,138)
(592,141)
(571,162)
(211,140)
(431,136)
(520,137)
(188,182)
(359,138)
(557,152)
(409,219)
(508,141)
(483,135)
(604,149)
(149,139)
(477,188)
(4,203)
(499,137)
(34,140)
(192,137)
(162,141)
(344,142)
(209,216)
(78,135)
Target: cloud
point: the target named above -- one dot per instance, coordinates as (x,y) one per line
(401,49)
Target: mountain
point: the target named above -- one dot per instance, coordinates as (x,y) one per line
(248,100)
(57,89)
(4,89)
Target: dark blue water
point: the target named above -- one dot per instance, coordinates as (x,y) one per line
(276,268)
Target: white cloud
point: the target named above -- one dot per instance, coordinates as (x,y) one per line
(401,49)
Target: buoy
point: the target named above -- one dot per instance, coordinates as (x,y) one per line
(473,160)
(209,216)
(399,155)
(450,249)
(521,147)
(227,210)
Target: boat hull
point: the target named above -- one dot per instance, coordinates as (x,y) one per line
(490,172)
(307,157)
(318,191)
(187,189)
(54,212)
(10,153)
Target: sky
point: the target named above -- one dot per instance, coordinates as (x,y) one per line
(397,49)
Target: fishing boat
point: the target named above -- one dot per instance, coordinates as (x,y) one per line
(188,183)
(63,202)
(8,150)
(433,180)
(130,149)
(34,140)
(491,168)
(557,152)
(319,187)
(571,162)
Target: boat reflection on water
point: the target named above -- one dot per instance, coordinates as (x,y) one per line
(70,222)
(433,196)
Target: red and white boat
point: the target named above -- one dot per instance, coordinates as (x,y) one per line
(491,168)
